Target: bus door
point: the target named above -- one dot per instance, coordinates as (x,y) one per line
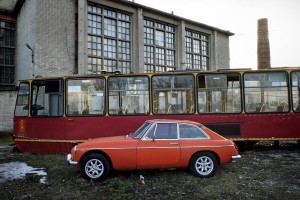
(21,110)
(46,109)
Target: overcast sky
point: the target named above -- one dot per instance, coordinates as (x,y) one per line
(240,17)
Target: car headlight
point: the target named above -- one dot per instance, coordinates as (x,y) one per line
(75,149)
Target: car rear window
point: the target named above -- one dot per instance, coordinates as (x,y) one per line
(189,132)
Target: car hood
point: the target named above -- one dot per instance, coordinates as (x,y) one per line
(115,140)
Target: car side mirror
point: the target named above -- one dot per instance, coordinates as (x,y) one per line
(153,138)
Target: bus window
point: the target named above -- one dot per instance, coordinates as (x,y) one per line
(219,93)
(86,96)
(47,98)
(266,92)
(296,91)
(173,94)
(22,104)
(128,95)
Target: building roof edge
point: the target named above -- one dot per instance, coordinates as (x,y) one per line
(133,3)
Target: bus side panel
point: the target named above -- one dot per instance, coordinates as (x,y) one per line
(254,126)
(60,134)
(83,128)
(272,126)
(41,135)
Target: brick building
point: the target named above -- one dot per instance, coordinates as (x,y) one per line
(54,38)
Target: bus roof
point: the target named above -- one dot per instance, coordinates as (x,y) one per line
(118,73)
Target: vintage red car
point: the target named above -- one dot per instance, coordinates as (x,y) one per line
(156,144)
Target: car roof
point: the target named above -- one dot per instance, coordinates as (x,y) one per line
(174,121)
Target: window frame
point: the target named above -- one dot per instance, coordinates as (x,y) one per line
(124,113)
(192,107)
(33,101)
(207,137)
(112,25)
(224,89)
(297,109)
(27,95)
(154,128)
(85,114)
(261,107)
(7,52)
(203,59)
(161,57)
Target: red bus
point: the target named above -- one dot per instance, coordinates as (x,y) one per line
(54,114)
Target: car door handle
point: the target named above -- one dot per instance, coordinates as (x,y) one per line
(174,143)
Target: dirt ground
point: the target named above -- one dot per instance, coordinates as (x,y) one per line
(264,172)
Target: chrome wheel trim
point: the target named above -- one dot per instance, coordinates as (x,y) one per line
(204,165)
(94,168)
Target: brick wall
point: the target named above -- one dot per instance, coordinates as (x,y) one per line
(25,33)
(55,41)
(223,55)
(49,28)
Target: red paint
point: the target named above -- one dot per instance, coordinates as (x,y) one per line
(57,134)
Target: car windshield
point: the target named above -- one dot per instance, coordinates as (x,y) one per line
(140,132)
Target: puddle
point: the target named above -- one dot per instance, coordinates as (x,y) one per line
(18,170)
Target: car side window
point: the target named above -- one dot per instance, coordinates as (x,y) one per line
(190,132)
(163,131)
(151,132)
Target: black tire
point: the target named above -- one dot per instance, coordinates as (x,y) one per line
(204,164)
(95,167)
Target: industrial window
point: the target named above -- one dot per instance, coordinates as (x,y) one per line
(109,40)
(124,50)
(159,46)
(197,51)
(7,52)
(110,48)
(95,46)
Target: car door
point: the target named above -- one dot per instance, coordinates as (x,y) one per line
(160,147)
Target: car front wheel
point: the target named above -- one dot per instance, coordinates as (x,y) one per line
(204,164)
(95,167)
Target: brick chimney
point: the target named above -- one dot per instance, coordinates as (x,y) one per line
(263,46)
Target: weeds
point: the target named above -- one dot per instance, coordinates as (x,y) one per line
(6,137)
(267,174)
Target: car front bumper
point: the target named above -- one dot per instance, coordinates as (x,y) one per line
(70,160)
(236,157)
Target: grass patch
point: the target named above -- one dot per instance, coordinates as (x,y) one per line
(6,137)
(267,174)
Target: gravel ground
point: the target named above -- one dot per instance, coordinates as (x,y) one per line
(264,172)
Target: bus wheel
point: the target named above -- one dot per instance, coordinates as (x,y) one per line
(204,164)
(95,167)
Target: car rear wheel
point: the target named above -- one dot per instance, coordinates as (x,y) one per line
(95,167)
(204,164)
